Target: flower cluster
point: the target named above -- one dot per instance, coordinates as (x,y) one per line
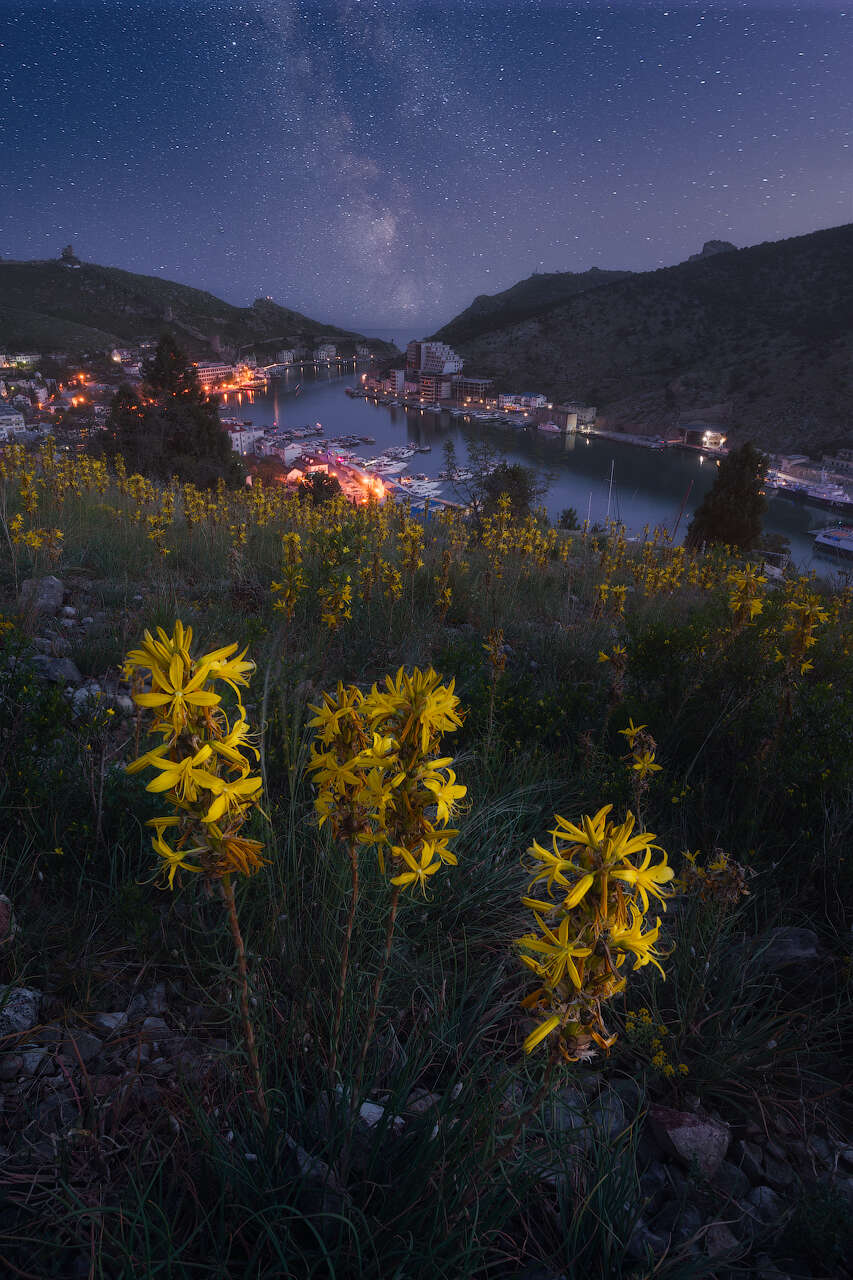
(641,757)
(590,922)
(746,588)
(204,763)
(649,1038)
(722,880)
(381,781)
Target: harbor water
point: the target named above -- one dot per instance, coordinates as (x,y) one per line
(654,487)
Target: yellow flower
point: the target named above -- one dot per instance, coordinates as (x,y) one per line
(541,1032)
(419,868)
(644,763)
(646,878)
(174,859)
(177,694)
(632,731)
(559,952)
(232,797)
(184,777)
(641,945)
(446,791)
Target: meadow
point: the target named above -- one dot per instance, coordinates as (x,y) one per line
(259,1055)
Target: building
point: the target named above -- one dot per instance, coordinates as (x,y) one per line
(432,357)
(842,463)
(243,439)
(434,386)
(585,413)
(284,356)
(395,381)
(326,351)
(470,388)
(120,355)
(361,350)
(11,422)
(209,373)
(522,400)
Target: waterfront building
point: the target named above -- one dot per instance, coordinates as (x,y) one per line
(209,373)
(362,350)
(284,356)
(395,381)
(585,413)
(326,351)
(120,355)
(522,400)
(243,438)
(434,386)
(467,387)
(432,357)
(842,462)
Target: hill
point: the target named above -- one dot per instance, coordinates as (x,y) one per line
(527,298)
(86,307)
(758,339)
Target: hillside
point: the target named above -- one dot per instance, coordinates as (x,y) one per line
(759,339)
(48,305)
(521,300)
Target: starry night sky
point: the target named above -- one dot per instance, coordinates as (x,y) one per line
(379,162)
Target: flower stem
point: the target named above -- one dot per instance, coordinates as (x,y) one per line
(248,1029)
(353,854)
(377,986)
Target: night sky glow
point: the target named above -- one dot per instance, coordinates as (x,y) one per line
(379,162)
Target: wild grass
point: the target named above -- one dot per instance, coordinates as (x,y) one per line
(191,1184)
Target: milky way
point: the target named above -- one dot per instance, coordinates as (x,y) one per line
(379,163)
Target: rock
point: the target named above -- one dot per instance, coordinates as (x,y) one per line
(56,670)
(845,1155)
(750,1158)
(644,1243)
(766,1269)
(108,1022)
(732,1181)
(11,1066)
(691,1139)
(32,1060)
(719,1240)
(786,947)
(69,611)
(67,624)
(85,700)
(607,1114)
(138,1005)
(678,1220)
(157,1029)
(125,704)
(324,1193)
(778,1174)
(43,595)
(87,622)
(421,1100)
(81,1046)
(19,1009)
(765,1204)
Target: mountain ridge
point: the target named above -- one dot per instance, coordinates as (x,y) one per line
(77,306)
(759,339)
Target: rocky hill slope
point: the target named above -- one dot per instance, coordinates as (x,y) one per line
(86,307)
(758,339)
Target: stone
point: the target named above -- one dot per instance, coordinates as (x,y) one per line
(81,1046)
(156,998)
(125,704)
(678,1220)
(778,1174)
(43,595)
(643,1242)
(157,1029)
(732,1181)
(85,700)
(19,1010)
(845,1155)
(694,1140)
(11,1066)
(32,1060)
(325,1194)
(766,1205)
(108,1022)
(69,611)
(749,1157)
(421,1100)
(786,947)
(56,670)
(719,1240)
(67,624)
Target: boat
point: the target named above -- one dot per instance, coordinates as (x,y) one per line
(548,426)
(837,542)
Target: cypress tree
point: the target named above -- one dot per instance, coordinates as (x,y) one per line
(733,509)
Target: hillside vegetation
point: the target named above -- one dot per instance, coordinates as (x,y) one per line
(758,339)
(51,305)
(332,850)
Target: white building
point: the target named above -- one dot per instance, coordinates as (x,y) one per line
(522,400)
(433,357)
(284,357)
(326,351)
(243,439)
(11,423)
(209,373)
(120,355)
(361,349)
(395,381)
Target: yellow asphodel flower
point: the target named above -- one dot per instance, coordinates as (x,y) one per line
(185,777)
(558,950)
(541,1032)
(644,763)
(632,731)
(174,860)
(232,796)
(176,694)
(641,945)
(419,868)
(646,878)
(447,792)
(235,742)
(221,665)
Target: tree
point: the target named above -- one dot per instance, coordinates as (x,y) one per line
(484,479)
(170,426)
(733,509)
(320,487)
